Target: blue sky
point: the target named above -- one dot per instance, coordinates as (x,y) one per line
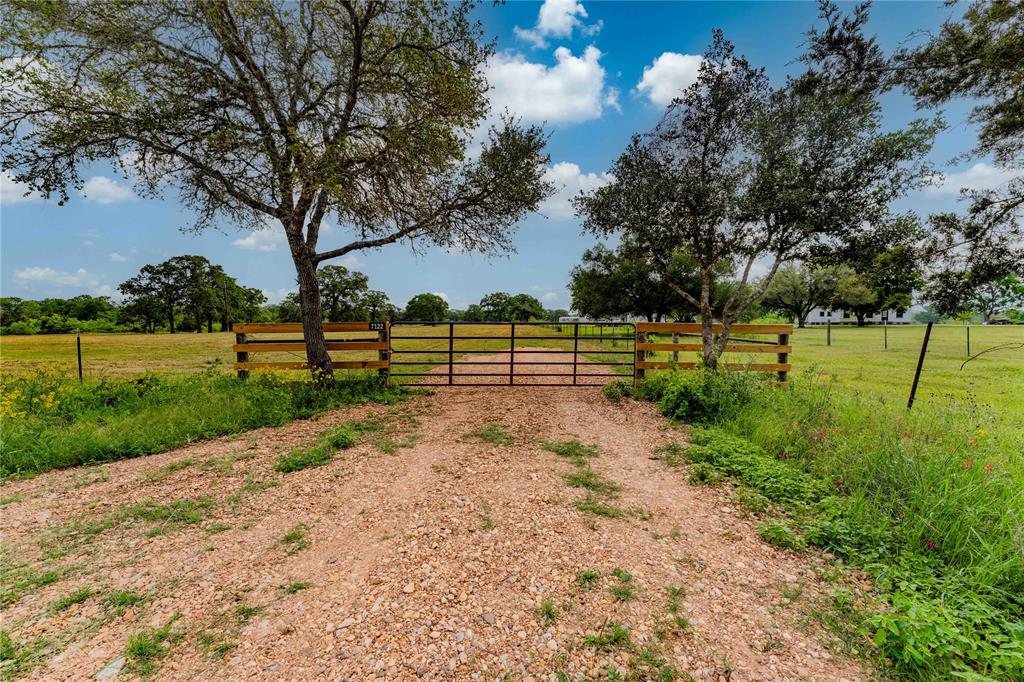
(595,72)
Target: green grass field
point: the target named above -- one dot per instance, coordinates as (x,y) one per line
(857,358)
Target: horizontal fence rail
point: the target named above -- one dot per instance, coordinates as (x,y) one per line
(245,346)
(779,347)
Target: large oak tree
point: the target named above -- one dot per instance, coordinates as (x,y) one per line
(264,111)
(739,173)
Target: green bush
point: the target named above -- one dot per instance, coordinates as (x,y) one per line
(49,420)
(702,396)
(616,390)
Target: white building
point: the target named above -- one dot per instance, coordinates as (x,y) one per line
(821,316)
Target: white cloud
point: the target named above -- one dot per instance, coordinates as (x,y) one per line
(442,294)
(88,243)
(277,295)
(669,74)
(104,190)
(572,90)
(37,277)
(115,257)
(549,297)
(557,19)
(267,239)
(980,176)
(12,192)
(350,261)
(569,181)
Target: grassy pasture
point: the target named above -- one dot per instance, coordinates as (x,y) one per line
(131,355)
(858,360)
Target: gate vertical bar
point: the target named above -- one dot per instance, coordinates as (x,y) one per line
(575,349)
(512,355)
(384,336)
(451,352)
(242,357)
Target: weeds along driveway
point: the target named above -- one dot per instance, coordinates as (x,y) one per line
(468,534)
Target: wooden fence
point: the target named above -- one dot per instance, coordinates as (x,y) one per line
(245,345)
(780,348)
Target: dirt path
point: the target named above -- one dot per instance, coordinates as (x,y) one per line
(430,562)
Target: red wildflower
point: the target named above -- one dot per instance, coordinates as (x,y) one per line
(968,464)
(988,468)
(932,546)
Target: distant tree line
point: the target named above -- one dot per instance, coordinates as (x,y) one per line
(191,294)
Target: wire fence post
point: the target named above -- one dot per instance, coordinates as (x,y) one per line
(968,340)
(920,364)
(828,329)
(78,344)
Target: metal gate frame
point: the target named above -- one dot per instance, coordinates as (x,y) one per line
(512,351)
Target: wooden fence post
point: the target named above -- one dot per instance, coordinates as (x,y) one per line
(783,358)
(384,336)
(675,353)
(638,356)
(242,356)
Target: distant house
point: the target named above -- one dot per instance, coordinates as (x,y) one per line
(821,316)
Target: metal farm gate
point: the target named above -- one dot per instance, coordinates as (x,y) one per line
(588,353)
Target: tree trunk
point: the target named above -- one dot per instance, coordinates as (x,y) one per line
(209,325)
(170,320)
(707,320)
(312,317)
(860,319)
(801,321)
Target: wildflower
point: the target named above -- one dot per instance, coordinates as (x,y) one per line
(837,484)
(988,468)
(982,433)
(932,546)
(968,464)
(783,455)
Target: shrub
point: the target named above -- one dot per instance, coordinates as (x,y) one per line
(703,396)
(616,390)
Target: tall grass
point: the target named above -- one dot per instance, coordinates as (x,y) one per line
(49,421)
(931,503)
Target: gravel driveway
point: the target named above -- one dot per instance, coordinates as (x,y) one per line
(429,554)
